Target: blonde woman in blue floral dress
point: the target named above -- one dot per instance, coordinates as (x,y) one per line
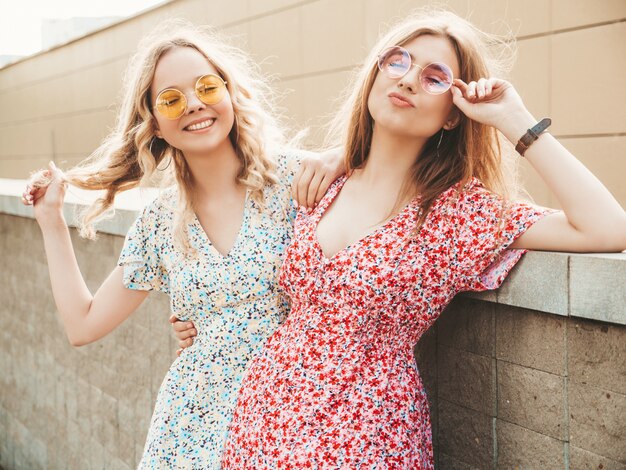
(195,110)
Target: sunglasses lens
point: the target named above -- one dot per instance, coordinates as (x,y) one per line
(171,104)
(394,62)
(436,78)
(210,89)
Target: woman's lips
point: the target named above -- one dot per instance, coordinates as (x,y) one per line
(400,101)
(200,125)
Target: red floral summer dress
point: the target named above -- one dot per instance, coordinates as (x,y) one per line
(336,386)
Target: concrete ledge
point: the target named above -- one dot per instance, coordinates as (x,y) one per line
(127,205)
(593,274)
(591,286)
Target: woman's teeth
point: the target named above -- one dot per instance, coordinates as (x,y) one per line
(200,125)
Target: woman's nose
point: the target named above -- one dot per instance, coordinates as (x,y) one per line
(410,80)
(194,104)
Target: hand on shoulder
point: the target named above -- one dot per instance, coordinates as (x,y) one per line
(316,173)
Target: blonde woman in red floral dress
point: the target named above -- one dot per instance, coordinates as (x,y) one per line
(421,216)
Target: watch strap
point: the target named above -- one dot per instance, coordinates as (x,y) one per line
(531,135)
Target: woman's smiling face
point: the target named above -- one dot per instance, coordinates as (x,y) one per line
(202,128)
(401,105)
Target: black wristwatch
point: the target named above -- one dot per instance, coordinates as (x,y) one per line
(531,135)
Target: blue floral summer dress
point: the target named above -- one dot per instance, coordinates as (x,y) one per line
(235,303)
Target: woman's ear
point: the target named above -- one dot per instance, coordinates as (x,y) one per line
(453,119)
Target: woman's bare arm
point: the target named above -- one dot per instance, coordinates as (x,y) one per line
(591,220)
(86,318)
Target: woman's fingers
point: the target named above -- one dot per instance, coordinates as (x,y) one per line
(37,183)
(315,175)
(186,334)
(461,87)
(323,187)
(40,179)
(32,193)
(186,343)
(459,90)
(180,326)
(485,87)
(457,82)
(313,189)
(27,196)
(183,330)
(489,86)
(52,181)
(301,186)
(58,176)
(471,91)
(481,88)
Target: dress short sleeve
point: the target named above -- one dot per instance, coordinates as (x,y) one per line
(141,255)
(486,225)
(287,165)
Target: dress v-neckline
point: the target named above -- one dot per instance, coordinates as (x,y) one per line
(327,201)
(238,237)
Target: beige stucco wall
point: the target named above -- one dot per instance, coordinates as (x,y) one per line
(571,63)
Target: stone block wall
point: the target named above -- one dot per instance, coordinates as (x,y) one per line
(65,407)
(519,388)
(509,387)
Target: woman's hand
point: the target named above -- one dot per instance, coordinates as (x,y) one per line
(316,173)
(45,191)
(593,220)
(184,332)
(493,102)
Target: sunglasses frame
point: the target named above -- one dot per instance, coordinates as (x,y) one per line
(407,54)
(184,96)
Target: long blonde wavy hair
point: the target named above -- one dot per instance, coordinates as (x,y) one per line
(470,149)
(130,155)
